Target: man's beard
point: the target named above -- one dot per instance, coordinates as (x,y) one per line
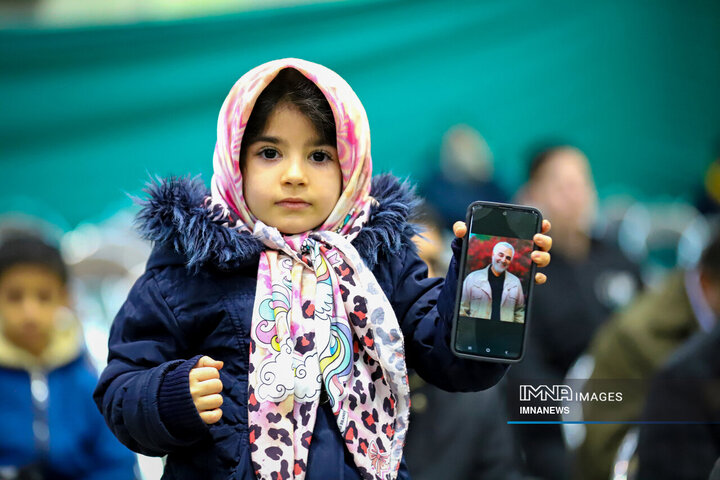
(499,267)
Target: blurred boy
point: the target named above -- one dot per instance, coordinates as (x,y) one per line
(49,427)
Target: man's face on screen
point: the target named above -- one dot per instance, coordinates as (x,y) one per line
(502,256)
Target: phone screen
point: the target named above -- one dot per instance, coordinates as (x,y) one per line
(496,280)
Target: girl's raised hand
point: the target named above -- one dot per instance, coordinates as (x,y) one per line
(205,388)
(540,257)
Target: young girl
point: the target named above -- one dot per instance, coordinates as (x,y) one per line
(291,295)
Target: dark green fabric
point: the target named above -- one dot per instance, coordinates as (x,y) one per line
(86,114)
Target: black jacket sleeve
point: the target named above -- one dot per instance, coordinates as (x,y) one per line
(144,393)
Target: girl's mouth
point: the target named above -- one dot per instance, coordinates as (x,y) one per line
(292,203)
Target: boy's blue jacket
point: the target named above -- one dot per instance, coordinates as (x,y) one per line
(47,420)
(196,298)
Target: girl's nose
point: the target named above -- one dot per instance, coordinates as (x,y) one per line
(295,171)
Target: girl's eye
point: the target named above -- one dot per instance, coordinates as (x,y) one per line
(320,157)
(269,153)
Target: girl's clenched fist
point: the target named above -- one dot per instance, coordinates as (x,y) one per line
(205,388)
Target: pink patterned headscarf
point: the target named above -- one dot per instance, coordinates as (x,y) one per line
(353,139)
(321,324)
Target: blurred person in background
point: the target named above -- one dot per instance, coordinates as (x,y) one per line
(686,391)
(49,428)
(465,175)
(635,343)
(461,435)
(431,240)
(590,278)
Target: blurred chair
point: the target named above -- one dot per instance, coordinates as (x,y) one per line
(663,235)
(625,463)
(106,258)
(611,211)
(574,433)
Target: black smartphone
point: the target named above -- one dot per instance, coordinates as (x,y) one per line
(495,283)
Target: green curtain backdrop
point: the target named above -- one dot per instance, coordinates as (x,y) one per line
(86,114)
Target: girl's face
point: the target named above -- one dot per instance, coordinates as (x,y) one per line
(291,179)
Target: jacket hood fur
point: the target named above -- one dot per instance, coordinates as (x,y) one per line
(173,215)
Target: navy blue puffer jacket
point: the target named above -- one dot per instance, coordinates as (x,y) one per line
(196,298)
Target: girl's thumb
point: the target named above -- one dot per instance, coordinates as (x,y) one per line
(209,362)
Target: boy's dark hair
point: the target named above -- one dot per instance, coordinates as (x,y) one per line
(31,250)
(290,86)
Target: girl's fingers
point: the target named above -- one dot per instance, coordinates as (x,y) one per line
(209,402)
(546,226)
(203,373)
(541,259)
(208,387)
(208,362)
(211,416)
(459,229)
(543,242)
(540,278)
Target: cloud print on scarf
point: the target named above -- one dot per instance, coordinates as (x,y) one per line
(277,380)
(307,367)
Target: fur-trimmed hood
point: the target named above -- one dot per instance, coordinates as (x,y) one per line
(173,217)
